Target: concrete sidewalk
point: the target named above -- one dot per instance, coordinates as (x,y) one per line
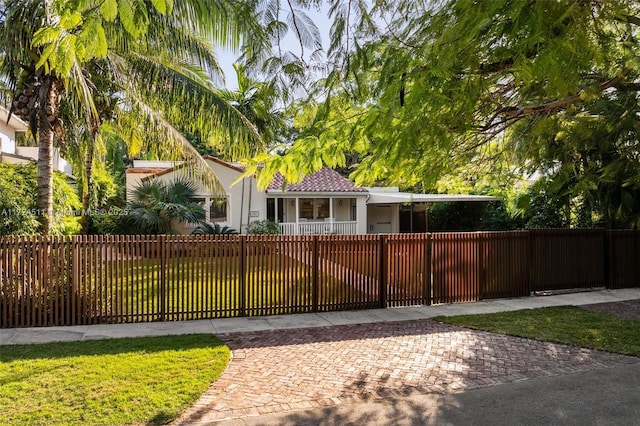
(278,322)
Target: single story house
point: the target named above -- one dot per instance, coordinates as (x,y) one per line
(322,203)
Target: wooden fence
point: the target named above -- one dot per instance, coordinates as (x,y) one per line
(47,281)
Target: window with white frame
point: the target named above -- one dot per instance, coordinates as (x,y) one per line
(214,207)
(314,208)
(218,209)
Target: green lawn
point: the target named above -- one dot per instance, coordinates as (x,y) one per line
(565,324)
(202,286)
(107,382)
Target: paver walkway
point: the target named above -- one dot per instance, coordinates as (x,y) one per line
(282,370)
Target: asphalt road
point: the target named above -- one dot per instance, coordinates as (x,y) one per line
(609,396)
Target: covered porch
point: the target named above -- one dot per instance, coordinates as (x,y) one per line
(322,203)
(317,214)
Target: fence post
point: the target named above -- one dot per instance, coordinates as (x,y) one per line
(314,273)
(636,268)
(427,281)
(163,275)
(382,271)
(243,274)
(607,258)
(531,262)
(482,266)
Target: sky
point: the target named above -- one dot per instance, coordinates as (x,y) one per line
(227,58)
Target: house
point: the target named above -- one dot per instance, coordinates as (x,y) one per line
(11,153)
(322,203)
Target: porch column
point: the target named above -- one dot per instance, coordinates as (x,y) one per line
(297,216)
(331,215)
(275,210)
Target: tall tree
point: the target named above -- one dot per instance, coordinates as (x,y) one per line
(47,48)
(426,88)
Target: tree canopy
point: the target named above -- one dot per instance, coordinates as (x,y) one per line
(155,58)
(423,89)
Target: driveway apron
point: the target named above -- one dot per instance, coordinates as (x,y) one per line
(282,370)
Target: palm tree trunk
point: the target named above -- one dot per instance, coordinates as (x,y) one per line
(45,180)
(49,99)
(87,189)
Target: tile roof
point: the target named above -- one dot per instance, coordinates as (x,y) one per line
(324,180)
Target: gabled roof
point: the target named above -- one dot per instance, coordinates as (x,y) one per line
(161,172)
(233,166)
(324,180)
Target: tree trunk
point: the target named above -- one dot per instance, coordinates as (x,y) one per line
(49,100)
(87,189)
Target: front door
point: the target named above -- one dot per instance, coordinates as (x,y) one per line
(379,219)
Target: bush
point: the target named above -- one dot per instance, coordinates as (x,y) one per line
(263,227)
(472,216)
(213,229)
(18,191)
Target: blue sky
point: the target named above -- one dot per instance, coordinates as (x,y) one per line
(227,58)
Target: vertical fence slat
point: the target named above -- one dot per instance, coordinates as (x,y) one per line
(84,280)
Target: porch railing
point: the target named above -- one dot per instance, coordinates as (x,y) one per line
(319,228)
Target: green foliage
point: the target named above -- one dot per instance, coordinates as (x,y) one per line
(77,34)
(155,205)
(18,212)
(105,192)
(540,209)
(471,216)
(589,156)
(421,90)
(213,229)
(66,205)
(111,221)
(97,55)
(263,227)
(17,195)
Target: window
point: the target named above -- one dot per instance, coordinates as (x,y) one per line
(218,210)
(314,208)
(271,209)
(200,201)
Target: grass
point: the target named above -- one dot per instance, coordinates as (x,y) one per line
(117,381)
(565,324)
(272,284)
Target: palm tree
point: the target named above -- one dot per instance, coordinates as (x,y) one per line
(155,205)
(36,92)
(149,57)
(257,101)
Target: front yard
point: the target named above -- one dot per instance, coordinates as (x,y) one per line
(153,380)
(108,382)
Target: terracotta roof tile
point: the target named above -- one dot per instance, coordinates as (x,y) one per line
(324,180)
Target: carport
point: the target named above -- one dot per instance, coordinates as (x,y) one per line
(404,212)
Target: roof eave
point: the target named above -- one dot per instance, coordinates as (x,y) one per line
(307,193)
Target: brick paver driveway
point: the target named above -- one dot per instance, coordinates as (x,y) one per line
(282,370)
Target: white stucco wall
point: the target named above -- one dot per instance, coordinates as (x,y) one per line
(246,203)
(8,131)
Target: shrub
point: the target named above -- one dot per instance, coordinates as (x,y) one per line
(206,228)
(18,190)
(263,227)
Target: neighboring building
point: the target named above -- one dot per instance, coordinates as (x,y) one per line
(323,203)
(11,153)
